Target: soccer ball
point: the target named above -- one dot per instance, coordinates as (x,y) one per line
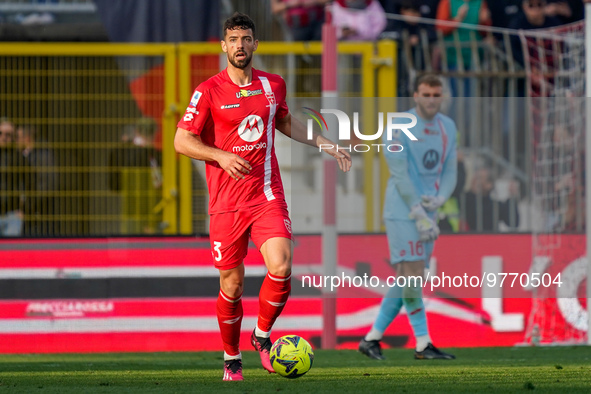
(291,356)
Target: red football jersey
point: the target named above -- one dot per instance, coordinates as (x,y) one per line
(241,120)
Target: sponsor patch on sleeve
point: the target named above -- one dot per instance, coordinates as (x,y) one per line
(195,98)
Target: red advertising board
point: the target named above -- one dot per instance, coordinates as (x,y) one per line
(159,294)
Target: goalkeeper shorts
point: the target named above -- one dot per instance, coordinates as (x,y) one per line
(404,242)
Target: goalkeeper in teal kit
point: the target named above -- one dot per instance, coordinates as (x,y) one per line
(422,178)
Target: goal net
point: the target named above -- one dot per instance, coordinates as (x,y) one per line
(554,60)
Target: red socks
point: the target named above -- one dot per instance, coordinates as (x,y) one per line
(272,298)
(229,311)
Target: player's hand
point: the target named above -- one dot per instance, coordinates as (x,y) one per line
(432,203)
(343,157)
(234,165)
(344,160)
(427,228)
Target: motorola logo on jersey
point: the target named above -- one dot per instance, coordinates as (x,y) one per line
(430,159)
(248,148)
(251,128)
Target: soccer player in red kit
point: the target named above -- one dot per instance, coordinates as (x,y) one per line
(230,124)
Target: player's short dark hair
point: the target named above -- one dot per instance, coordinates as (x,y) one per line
(239,21)
(427,79)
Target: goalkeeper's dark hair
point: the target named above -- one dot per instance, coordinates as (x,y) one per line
(429,80)
(239,21)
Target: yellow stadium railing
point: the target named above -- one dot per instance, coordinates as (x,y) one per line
(86,100)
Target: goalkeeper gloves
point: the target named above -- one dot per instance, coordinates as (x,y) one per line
(431,203)
(427,228)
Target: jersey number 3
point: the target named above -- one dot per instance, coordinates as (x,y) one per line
(217,253)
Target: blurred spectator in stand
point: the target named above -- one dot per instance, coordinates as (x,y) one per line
(136,175)
(532,17)
(409,34)
(451,13)
(503,11)
(427,9)
(42,162)
(12,177)
(303,17)
(358,20)
(567,11)
(567,180)
(479,202)
(472,12)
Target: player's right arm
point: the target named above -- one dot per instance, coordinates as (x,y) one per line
(196,121)
(191,145)
(398,166)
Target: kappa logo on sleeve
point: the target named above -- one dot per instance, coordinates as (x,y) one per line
(195,98)
(190,114)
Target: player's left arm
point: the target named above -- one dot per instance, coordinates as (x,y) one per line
(294,129)
(449,174)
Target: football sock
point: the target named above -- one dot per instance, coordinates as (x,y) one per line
(389,309)
(374,335)
(272,298)
(227,357)
(412,298)
(422,342)
(261,334)
(229,312)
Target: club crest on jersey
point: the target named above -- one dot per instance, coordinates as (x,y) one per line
(195,98)
(287,225)
(270,97)
(248,93)
(251,129)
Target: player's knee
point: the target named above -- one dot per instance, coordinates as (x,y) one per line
(411,292)
(279,263)
(281,267)
(232,287)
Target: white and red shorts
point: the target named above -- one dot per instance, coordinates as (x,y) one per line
(229,231)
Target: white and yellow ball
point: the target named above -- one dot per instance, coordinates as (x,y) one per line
(291,356)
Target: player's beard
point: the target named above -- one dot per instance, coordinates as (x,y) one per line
(241,64)
(428,111)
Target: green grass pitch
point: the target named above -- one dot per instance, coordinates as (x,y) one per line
(498,370)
